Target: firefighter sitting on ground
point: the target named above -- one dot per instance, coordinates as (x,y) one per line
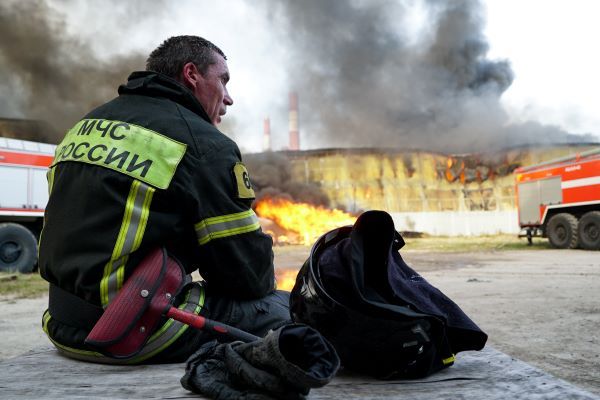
(150,169)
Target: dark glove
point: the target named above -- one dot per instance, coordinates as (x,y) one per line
(283,365)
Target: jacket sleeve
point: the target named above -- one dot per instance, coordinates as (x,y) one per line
(234,256)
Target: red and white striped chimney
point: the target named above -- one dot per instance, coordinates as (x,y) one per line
(294,132)
(267,135)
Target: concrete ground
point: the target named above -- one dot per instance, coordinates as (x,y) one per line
(540,306)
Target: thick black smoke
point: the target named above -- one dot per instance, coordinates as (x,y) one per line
(47,74)
(272,177)
(362,78)
(364,81)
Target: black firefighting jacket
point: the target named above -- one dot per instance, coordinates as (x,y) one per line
(144,170)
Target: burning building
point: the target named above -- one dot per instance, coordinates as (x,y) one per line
(418,181)
(381,89)
(407,183)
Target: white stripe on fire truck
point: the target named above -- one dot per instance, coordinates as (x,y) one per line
(594,180)
(558,206)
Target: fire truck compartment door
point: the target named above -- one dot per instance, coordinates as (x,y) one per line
(23,187)
(533,194)
(13,187)
(38,187)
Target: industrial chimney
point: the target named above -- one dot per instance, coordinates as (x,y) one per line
(294,133)
(267,135)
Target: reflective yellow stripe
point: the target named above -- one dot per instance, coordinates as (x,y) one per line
(120,255)
(145,212)
(449,360)
(133,226)
(75,353)
(118,249)
(158,342)
(171,330)
(87,355)
(229,232)
(137,227)
(225,218)
(226,225)
(50,177)
(46,319)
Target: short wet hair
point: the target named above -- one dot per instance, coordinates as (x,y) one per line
(170,57)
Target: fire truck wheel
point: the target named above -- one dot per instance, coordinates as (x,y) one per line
(562,231)
(589,230)
(18,248)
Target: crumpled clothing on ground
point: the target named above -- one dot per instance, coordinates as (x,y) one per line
(285,364)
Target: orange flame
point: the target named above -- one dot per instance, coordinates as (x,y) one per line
(308,221)
(286,278)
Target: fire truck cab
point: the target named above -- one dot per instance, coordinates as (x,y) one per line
(23,198)
(560,199)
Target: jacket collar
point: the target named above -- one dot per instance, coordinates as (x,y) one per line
(149,83)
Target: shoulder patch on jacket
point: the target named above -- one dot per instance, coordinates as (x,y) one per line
(242,179)
(141,153)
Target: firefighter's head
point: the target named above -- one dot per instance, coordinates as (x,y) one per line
(200,66)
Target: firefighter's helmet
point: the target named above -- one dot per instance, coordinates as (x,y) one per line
(371,335)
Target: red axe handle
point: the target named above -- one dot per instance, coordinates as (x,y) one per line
(200,322)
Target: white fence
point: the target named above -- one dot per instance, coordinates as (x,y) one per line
(458,223)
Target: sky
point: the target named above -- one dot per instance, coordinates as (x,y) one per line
(277,46)
(552,46)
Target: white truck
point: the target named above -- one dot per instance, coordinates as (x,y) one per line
(23,198)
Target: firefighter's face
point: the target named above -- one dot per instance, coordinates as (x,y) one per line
(210,88)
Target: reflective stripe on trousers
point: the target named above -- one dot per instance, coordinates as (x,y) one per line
(158,342)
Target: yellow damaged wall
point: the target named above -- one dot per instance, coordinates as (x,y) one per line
(361,179)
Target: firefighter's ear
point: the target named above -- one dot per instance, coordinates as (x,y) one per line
(190,76)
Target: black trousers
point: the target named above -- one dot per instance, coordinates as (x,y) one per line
(254,316)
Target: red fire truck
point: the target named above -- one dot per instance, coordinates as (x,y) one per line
(23,197)
(560,200)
